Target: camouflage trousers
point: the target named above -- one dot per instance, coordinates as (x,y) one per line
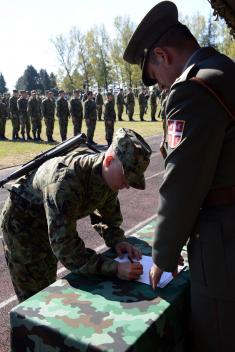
(24,124)
(130,111)
(90,124)
(15,124)
(63,124)
(142,110)
(77,125)
(29,257)
(36,122)
(120,111)
(2,126)
(99,109)
(109,129)
(153,112)
(49,122)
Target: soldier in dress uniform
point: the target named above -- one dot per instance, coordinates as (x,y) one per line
(14,115)
(120,104)
(62,112)
(90,115)
(197,196)
(22,104)
(99,104)
(76,111)
(109,118)
(48,112)
(35,114)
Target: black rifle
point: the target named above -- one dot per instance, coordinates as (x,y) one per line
(59,150)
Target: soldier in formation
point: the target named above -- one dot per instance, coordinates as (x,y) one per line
(153,104)
(34,112)
(3,118)
(120,104)
(76,112)
(90,115)
(99,104)
(22,104)
(109,118)
(142,103)
(14,115)
(62,112)
(130,104)
(48,112)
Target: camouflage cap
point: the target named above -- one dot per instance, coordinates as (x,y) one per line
(134,153)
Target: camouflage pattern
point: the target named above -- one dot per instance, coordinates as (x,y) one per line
(99,105)
(23,116)
(80,313)
(130,105)
(153,104)
(134,153)
(34,112)
(120,105)
(109,120)
(40,217)
(14,114)
(3,119)
(90,115)
(62,112)
(76,111)
(142,104)
(48,112)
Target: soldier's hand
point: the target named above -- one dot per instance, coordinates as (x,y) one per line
(129,271)
(155,275)
(125,247)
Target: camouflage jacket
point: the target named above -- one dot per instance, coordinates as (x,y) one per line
(99,99)
(69,188)
(3,110)
(142,99)
(153,99)
(76,109)
(109,112)
(130,99)
(34,107)
(48,108)
(90,110)
(62,108)
(13,106)
(22,105)
(120,99)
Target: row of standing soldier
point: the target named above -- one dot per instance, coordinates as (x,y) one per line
(25,112)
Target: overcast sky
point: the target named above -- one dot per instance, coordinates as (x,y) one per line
(26,27)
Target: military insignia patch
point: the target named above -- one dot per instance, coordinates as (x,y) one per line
(175,130)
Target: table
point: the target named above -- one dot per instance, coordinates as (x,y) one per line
(94,314)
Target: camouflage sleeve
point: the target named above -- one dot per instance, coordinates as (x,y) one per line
(58,108)
(107,222)
(61,206)
(29,108)
(86,110)
(43,108)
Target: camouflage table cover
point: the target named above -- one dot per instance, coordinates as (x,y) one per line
(94,314)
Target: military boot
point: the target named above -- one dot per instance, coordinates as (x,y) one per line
(29,138)
(34,136)
(23,136)
(13,136)
(38,137)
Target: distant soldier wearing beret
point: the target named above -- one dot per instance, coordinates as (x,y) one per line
(99,104)
(120,104)
(130,104)
(62,112)
(39,218)
(22,104)
(90,115)
(197,196)
(14,115)
(76,111)
(48,112)
(109,118)
(35,114)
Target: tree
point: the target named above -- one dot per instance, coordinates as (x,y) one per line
(53,80)
(44,79)
(3,88)
(29,80)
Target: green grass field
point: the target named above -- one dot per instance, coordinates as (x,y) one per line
(16,153)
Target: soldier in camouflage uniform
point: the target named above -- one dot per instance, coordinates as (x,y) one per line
(142,103)
(109,119)
(48,112)
(22,104)
(153,104)
(35,114)
(5,100)
(14,115)
(99,104)
(90,115)
(62,112)
(3,119)
(76,111)
(130,104)
(120,104)
(38,220)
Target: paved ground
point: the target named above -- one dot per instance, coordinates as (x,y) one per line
(137,207)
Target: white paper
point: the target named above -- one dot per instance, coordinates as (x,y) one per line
(147,263)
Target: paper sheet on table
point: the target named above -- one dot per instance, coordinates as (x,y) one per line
(147,263)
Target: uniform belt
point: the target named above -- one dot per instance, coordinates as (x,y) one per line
(220,196)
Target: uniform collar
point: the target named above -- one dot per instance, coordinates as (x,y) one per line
(199,55)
